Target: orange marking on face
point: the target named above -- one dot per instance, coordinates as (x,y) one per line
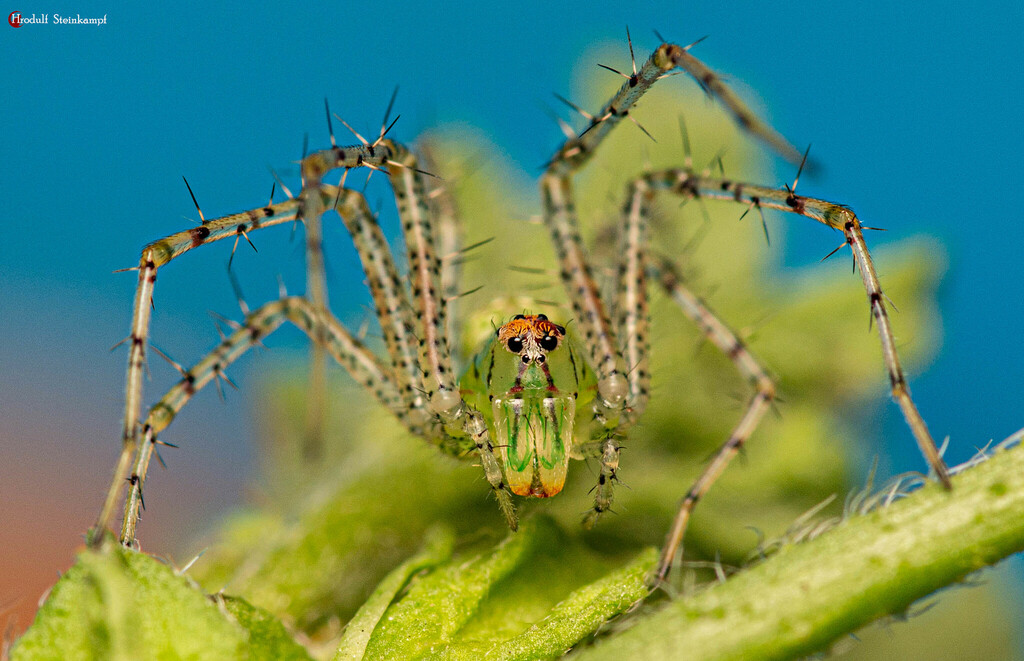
(534,324)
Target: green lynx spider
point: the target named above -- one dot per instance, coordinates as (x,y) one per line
(417,381)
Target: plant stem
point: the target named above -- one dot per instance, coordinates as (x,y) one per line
(807,595)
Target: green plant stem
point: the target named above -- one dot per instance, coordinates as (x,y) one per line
(807,595)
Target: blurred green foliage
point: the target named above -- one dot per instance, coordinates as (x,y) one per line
(325,539)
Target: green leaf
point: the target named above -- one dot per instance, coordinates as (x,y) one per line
(437,549)
(527,598)
(268,639)
(581,613)
(124,605)
(440,604)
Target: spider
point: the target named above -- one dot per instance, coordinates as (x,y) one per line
(534,396)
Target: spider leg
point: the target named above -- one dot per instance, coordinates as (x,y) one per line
(631,320)
(606,478)
(839,217)
(449,242)
(160,252)
(560,210)
(630,311)
(621,391)
(312,210)
(154,256)
(351,354)
(390,300)
(444,399)
(719,334)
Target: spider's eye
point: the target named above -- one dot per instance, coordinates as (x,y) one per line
(542,317)
(549,343)
(515,345)
(518,316)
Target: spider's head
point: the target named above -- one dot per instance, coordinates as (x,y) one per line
(531,336)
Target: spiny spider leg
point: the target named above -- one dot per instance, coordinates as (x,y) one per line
(631,320)
(312,209)
(719,334)
(351,354)
(688,184)
(314,166)
(316,276)
(840,217)
(444,398)
(620,390)
(154,256)
(449,243)
(629,307)
(390,300)
(395,317)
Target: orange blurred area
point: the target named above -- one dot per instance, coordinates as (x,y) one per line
(50,493)
(46,500)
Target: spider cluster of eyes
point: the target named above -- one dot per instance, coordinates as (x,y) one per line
(522,331)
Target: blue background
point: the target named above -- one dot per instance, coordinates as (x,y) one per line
(912,107)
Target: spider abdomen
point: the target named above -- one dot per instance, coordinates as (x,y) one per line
(534,430)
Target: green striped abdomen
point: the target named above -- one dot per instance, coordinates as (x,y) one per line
(535,434)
